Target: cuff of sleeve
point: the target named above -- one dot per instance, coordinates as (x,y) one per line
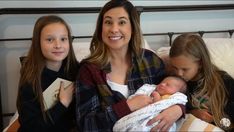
(61,107)
(121,108)
(183,110)
(57,111)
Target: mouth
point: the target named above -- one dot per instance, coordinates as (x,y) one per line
(115,37)
(57,53)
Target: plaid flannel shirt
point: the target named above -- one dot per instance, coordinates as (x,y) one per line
(97,106)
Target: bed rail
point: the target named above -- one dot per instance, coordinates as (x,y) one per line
(169,34)
(75,10)
(141,9)
(201,33)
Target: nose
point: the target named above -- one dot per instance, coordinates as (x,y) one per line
(114,28)
(180,73)
(57,44)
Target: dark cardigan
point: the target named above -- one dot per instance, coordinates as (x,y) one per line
(61,119)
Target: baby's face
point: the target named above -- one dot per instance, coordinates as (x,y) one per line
(169,85)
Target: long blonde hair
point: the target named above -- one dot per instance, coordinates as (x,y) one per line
(34,62)
(99,51)
(211,82)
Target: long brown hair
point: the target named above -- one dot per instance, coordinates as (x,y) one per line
(211,82)
(34,62)
(99,51)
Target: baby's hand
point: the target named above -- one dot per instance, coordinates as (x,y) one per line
(138,102)
(155,96)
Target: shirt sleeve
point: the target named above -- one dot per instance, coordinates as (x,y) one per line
(30,115)
(229,83)
(96,107)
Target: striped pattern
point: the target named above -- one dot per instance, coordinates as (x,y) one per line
(191,123)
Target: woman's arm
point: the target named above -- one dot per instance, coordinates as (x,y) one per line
(97,107)
(166,118)
(202,114)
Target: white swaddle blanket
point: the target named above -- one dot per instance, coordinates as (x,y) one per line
(137,120)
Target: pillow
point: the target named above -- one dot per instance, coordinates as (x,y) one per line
(221,51)
(147,46)
(81,49)
(192,123)
(163,53)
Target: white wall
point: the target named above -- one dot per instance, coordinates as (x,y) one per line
(16,26)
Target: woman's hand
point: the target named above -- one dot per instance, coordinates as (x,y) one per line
(202,114)
(166,118)
(138,102)
(65,94)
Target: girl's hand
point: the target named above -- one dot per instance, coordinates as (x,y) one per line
(65,93)
(166,118)
(202,114)
(138,102)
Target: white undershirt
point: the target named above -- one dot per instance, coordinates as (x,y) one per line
(123,89)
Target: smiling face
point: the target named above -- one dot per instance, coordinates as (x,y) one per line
(54,43)
(116,29)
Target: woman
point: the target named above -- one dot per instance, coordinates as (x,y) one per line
(115,69)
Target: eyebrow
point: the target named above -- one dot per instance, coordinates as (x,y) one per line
(123,17)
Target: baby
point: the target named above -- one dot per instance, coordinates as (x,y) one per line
(167,87)
(169,92)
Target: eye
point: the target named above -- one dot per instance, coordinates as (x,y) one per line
(64,39)
(167,84)
(185,69)
(122,22)
(174,68)
(49,40)
(107,22)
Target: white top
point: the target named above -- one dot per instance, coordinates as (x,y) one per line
(123,89)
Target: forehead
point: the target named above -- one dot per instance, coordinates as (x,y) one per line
(171,79)
(183,61)
(116,12)
(56,24)
(54,27)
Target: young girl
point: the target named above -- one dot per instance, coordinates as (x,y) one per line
(50,56)
(210,90)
